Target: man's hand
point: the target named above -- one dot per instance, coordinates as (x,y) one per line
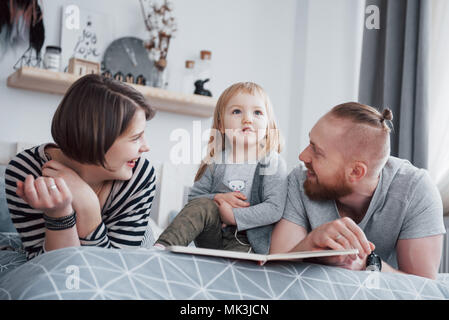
(348,262)
(339,234)
(352,264)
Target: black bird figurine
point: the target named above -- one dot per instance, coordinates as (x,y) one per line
(199,88)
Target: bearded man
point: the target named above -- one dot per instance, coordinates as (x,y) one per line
(350,193)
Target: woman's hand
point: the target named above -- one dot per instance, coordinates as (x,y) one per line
(85,202)
(235,199)
(81,191)
(55,169)
(52,196)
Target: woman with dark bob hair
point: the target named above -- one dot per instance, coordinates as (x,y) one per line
(91,187)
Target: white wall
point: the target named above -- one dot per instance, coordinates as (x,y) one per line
(326,64)
(250,40)
(305,53)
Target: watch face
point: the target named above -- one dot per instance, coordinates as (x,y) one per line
(128,56)
(373,262)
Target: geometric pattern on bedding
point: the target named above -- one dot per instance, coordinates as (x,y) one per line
(98,273)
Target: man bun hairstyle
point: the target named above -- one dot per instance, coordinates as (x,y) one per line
(94,112)
(387,114)
(364,114)
(367,136)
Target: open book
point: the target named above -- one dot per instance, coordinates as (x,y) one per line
(261,258)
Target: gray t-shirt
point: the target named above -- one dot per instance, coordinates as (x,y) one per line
(406,204)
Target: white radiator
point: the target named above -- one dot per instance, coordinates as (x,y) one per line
(444,265)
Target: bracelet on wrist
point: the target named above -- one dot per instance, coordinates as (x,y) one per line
(61,223)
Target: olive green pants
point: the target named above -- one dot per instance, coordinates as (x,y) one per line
(199,221)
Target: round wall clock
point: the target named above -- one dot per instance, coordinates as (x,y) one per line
(128,56)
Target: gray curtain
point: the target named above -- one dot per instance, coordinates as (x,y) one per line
(394,73)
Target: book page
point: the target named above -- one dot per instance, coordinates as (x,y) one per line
(218,253)
(260,257)
(310,254)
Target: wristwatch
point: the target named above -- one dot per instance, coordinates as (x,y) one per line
(373,262)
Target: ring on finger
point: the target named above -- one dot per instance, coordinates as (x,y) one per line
(52,187)
(338,237)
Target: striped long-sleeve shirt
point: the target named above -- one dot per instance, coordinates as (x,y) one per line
(124,215)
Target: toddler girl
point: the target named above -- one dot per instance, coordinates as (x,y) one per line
(241,186)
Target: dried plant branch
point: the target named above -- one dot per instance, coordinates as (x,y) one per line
(162,26)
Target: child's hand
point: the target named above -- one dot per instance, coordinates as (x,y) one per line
(226,214)
(235,199)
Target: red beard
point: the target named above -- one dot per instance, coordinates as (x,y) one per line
(318,191)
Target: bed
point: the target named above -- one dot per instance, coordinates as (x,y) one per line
(148,273)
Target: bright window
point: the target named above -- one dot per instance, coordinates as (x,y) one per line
(439,99)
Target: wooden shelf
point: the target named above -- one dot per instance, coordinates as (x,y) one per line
(42,80)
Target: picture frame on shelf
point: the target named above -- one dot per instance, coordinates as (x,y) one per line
(84,34)
(81,67)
